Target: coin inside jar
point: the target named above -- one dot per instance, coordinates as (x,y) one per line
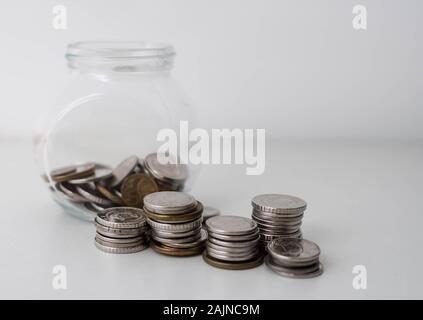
(123,170)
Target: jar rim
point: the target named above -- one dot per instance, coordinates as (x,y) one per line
(119,50)
(128,56)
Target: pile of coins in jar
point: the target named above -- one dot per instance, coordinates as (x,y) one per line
(139,204)
(94,187)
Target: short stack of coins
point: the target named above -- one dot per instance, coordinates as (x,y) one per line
(233,243)
(278,215)
(175,219)
(121,230)
(93,187)
(294,258)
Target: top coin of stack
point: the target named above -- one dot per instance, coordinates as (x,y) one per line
(175,219)
(278,215)
(294,258)
(232,243)
(95,187)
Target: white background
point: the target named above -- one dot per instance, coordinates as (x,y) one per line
(343,115)
(296,68)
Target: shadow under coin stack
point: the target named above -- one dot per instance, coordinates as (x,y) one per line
(278,215)
(121,230)
(232,243)
(294,258)
(175,219)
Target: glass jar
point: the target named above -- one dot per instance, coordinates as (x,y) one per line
(104,127)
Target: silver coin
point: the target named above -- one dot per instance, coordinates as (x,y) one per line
(270,237)
(169,202)
(294,250)
(108,249)
(276,219)
(292,264)
(175,235)
(167,172)
(70,192)
(278,203)
(193,238)
(278,225)
(229,250)
(233,255)
(186,245)
(281,231)
(235,244)
(92,196)
(101,173)
(296,273)
(94,208)
(226,257)
(175,227)
(123,169)
(122,217)
(245,237)
(117,233)
(118,244)
(209,212)
(231,225)
(120,240)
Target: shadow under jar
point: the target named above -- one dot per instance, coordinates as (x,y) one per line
(104,127)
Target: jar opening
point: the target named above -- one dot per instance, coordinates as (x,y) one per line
(120,56)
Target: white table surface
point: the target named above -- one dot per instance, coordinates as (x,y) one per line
(364,207)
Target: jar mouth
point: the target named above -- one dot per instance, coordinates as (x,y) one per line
(120,55)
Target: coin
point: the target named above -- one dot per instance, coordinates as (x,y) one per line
(295,250)
(176,218)
(160,248)
(125,250)
(231,225)
(100,173)
(175,235)
(120,240)
(135,187)
(278,203)
(225,256)
(232,251)
(235,244)
(167,172)
(197,243)
(297,273)
(118,244)
(255,262)
(122,170)
(81,171)
(62,171)
(119,232)
(121,217)
(169,241)
(109,194)
(246,237)
(70,192)
(174,227)
(169,202)
(92,196)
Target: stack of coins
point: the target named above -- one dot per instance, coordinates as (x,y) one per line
(175,219)
(278,215)
(294,258)
(95,187)
(121,230)
(232,243)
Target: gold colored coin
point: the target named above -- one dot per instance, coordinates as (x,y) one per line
(160,248)
(109,194)
(81,171)
(135,187)
(240,265)
(190,216)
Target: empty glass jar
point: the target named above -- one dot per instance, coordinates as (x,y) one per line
(104,127)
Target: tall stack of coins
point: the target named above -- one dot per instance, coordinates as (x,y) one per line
(278,215)
(232,243)
(121,230)
(95,187)
(294,258)
(175,219)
